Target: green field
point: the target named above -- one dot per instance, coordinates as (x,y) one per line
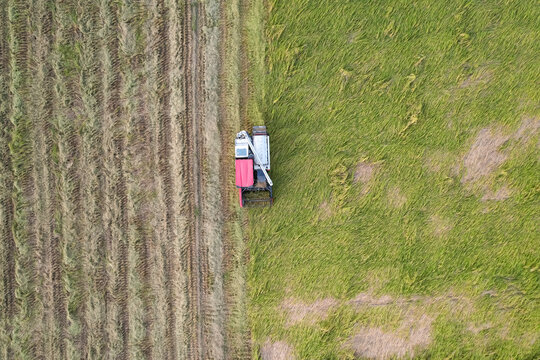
(405,153)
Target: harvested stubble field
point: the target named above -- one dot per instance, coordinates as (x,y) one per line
(112,208)
(405,141)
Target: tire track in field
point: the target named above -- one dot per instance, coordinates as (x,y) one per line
(164,141)
(170,148)
(244,68)
(237,336)
(127,69)
(212,207)
(167,133)
(7,267)
(196,291)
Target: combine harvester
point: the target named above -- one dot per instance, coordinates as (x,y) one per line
(252,162)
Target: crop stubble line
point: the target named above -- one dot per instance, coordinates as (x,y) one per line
(24,331)
(164,140)
(157,237)
(212,206)
(128,64)
(36,142)
(196,289)
(66,200)
(7,266)
(172,135)
(145,182)
(80,171)
(6,212)
(43,97)
(108,179)
(90,223)
(229,51)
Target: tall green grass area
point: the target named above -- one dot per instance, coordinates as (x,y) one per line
(405,86)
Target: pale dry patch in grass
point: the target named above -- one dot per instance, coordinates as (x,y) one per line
(440,226)
(325,210)
(457,304)
(478,328)
(364,172)
(484,156)
(413,334)
(298,311)
(482,77)
(278,350)
(368,299)
(395,198)
(529,127)
(502,193)
(438,161)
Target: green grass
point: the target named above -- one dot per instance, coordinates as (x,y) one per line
(400,84)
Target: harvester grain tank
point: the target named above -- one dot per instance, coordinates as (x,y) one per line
(252,163)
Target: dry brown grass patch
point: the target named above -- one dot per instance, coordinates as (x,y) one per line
(413,334)
(482,77)
(440,226)
(395,198)
(438,161)
(368,299)
(529,127)
(278,350)
(298,311)
(325,210)
(364,172)
(456,303)
(502,193)
(484,156)
(478,328)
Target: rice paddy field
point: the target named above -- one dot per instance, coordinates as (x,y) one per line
(405,151)
(405,140)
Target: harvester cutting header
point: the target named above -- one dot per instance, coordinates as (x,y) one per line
(252,163)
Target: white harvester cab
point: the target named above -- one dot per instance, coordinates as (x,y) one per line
(252,163)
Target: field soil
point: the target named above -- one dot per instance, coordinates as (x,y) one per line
(111,202)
